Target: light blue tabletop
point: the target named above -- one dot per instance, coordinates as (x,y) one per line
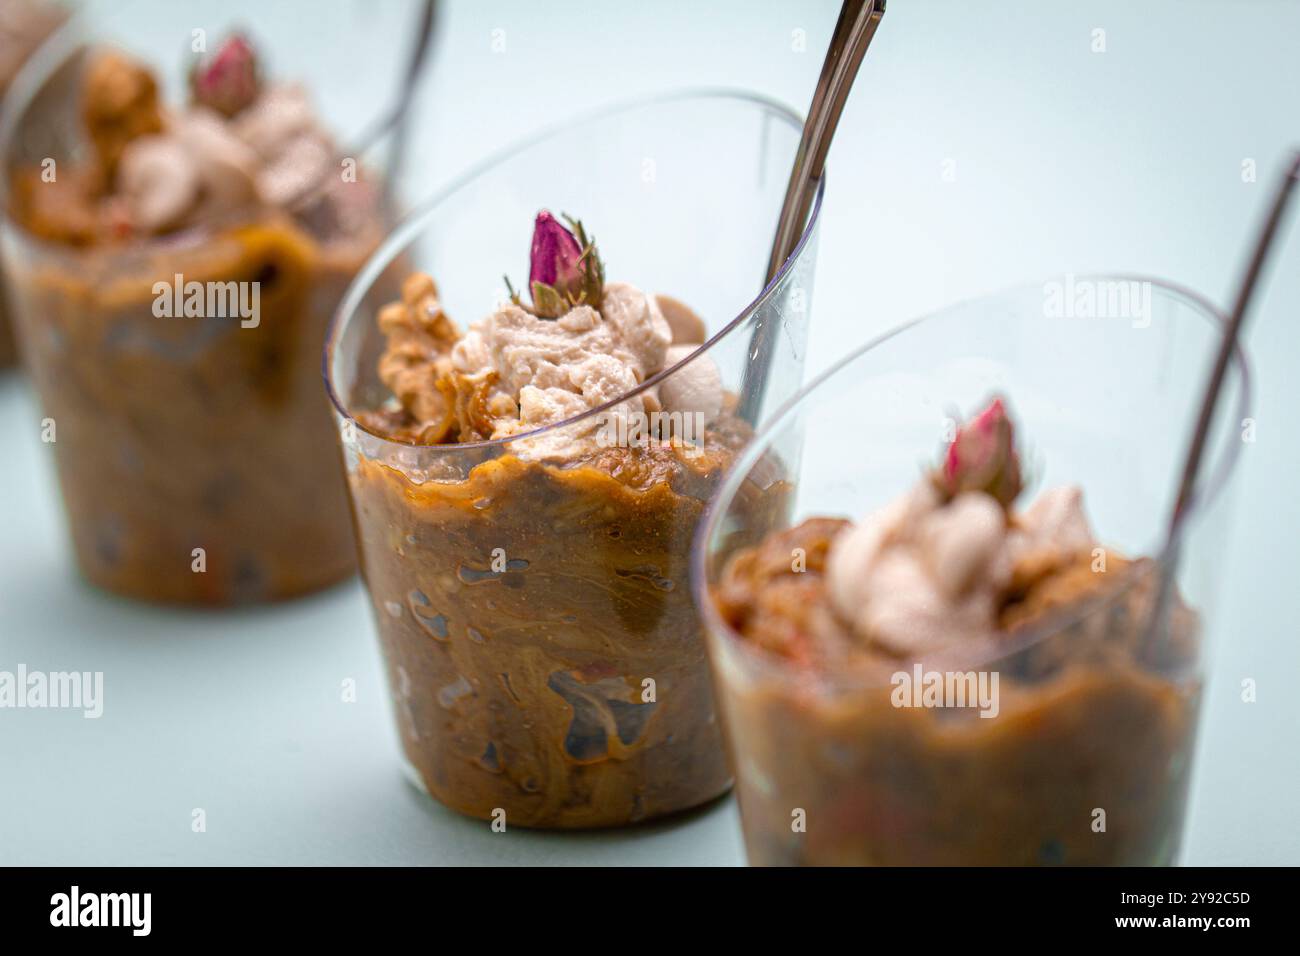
(986,144)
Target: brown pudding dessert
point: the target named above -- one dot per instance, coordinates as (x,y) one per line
(24,24)
(954,680)
(531,593)
(173,290)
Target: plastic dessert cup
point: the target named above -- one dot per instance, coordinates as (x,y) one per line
(28,23)
(195,452)
(1086,756)
(535,617)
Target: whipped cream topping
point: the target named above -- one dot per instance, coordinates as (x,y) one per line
(921,575)
(273,152)
(694,389)
(558,368)
(523,372)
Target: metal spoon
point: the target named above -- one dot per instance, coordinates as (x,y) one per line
(396,118)
(1187,489)
(853,33)
(1187,485)
(402,109)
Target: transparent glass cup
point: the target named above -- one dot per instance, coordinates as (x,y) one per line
(27,24)
(195,451)
(1085,757)
(534,611)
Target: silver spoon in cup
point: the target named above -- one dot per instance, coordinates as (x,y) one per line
(1187,482)
(853,33)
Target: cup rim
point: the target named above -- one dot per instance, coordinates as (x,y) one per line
(24,86)
(419,218)
(1210,485)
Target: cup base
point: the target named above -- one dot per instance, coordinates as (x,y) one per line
(197,593)
(413,777)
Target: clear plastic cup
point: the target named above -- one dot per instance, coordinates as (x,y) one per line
(1086,758)
(535,616)
(24,25)
(195,452)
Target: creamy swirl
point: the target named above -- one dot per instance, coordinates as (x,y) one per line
(273,152)
(921,574)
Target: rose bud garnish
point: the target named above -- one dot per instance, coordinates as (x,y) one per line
(565,269)
(227,81)
(982,457)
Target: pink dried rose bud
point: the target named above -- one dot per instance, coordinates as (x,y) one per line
(564,268)
(227,81)
(556,255)
(983,457)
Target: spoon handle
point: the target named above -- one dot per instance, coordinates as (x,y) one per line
(1214,385)
(400,117)
(853,32)
(1187,483)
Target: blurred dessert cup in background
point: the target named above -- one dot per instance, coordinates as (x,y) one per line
(177,240)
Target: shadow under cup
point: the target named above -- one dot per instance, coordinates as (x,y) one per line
(1080,753)
(533,607)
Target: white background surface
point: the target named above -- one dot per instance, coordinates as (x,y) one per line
(1065,160)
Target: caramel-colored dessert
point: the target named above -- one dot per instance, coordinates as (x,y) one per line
(1080,754)
(24,25)
(532,596)
(173,292)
